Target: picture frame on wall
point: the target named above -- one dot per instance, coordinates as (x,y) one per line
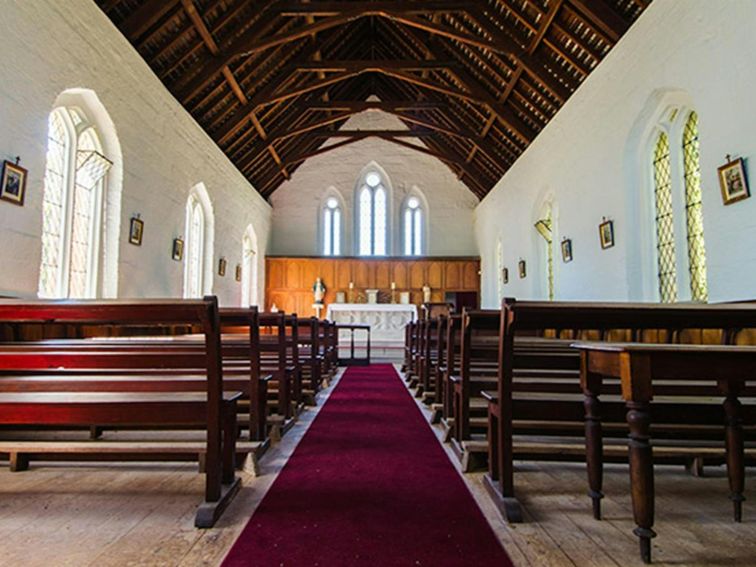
(505,275)
(522,269)
(13,183)
(136,230)
(567,250)
(733,181)
(222,267)
(606,234)
(238,272)
(177,252)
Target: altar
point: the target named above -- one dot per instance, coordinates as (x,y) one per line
(387,322)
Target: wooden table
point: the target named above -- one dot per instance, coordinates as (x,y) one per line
(637,366)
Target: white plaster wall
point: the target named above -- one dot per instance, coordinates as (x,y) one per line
(587,160)
(48,46)
(297,202)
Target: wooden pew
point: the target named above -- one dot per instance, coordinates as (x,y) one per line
(274,360)
(477,374)
(443,410)
(538,397)
(641,368)
(241,365)
(311,358)
(213,409)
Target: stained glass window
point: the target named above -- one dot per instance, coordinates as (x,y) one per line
(332,228)
(71,209)
(665,235)
(373,216)
(413,227)
(694,210)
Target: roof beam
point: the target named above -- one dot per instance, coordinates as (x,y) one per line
(146,16)
(362,105)
(377,133)
(328,9)
(342,66)
(212,46)
(603,17)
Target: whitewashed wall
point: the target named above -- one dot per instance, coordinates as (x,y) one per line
(591,161)
(48,46)
(297,202)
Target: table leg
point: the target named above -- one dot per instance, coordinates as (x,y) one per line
(735,450)
(641,475)
(594,449)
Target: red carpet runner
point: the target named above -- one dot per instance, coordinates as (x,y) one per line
(368,485)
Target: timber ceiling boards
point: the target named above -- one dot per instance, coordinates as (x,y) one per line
(474,80)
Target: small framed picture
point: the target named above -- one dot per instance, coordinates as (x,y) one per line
(13,185)
(136,229)
(522,268)
(567,250)
(606,234)
(222,267)
(733,182)
(178,249)
(238,272)
(505,275)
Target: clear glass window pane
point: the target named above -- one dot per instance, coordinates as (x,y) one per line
(665,237)
(337,232)
(366,222)
(694,210)
(418,233)
(195,251)
(408,232)
(380,222)
(53,205)
(327,228)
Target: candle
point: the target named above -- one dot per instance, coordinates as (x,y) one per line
(351,285)
(393,285)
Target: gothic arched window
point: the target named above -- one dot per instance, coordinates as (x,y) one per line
(72,206)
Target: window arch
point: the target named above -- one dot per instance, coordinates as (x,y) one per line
(414,222)
(198,264)
(249,268)
(372,214)
(81,201)
(332,221)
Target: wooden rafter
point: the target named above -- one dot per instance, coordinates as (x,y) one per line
(275,81)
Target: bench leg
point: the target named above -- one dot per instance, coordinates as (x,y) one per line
(19,462)
(594,450)
(735,453)
(641,475)
(229,445)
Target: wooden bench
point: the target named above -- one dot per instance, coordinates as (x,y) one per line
(212,409)
(640,368)
(537,411)
(310,358)
(274,360)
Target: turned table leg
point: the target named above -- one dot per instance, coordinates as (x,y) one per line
(734,445)
(641,475)
(594,443)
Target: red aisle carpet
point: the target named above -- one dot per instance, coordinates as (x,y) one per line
(368,485)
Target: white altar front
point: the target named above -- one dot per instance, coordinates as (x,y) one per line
(386,320)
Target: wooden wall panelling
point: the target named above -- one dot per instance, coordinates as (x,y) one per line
(289,280)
